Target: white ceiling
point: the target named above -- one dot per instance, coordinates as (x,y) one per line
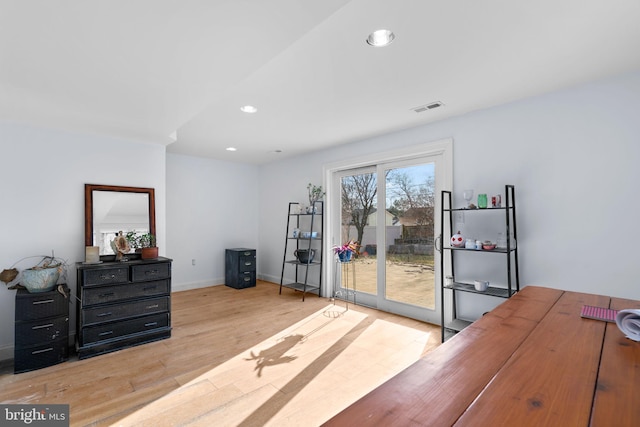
(152,69)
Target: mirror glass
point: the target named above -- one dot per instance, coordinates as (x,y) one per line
(110,209)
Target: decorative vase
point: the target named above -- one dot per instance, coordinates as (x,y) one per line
(457,240)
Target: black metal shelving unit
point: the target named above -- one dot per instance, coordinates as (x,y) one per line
(510,252)
(304,271)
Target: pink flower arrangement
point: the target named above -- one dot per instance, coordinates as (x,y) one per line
(351,245)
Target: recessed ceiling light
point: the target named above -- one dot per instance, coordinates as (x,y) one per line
(231,149)
(380,38)
(248,109)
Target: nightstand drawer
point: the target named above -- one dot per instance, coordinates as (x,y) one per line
(28,359)
(145,272)
(113,312)
(41,331)
(107,294)
(106,276)
(94,334)
(37,306)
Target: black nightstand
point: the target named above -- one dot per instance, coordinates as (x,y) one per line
(41,329)
(240,268)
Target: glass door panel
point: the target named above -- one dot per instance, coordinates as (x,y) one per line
(409,220)
(358,223)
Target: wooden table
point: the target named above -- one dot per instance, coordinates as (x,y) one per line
(532,361)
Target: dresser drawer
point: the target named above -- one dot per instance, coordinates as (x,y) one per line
(106,276)
(93,334)
(144,272)
(41,331)
(28,359)
(123,310)
(106,294)
(37,306)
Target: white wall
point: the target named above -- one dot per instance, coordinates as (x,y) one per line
(573,157)
(211,205)
(42,177)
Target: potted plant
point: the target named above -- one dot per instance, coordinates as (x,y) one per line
(144,244)
(315,194)
(148,247)
(346,250)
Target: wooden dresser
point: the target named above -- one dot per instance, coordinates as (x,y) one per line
(122,304)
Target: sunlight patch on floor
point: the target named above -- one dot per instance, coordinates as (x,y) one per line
(317,366)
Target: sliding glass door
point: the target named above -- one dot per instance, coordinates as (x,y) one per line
(390,209)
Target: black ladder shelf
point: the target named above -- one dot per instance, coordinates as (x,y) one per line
(309,225)
(506,290)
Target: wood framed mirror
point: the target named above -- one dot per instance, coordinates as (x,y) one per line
(109,209)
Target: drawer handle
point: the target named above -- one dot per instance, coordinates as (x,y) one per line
(107,277)
(247,279)
(108,294)
(42,351)
(248,263)
(102,334)
(151,324)
(152,306)
(247,253)
(151,272)
(108,313)
(48,325)
(149,288)
(44,301)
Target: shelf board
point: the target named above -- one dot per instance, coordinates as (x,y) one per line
(495,251)
(453,327)
(301,287)
(502,208)
(491,290)
(457,324)
(296,262)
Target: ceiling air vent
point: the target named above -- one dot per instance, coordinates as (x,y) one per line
(426,107)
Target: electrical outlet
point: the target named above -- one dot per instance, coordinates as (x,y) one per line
(458,218)
(193,261)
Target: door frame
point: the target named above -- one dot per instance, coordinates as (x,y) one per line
(444,181)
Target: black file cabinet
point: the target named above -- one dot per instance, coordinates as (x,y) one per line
(41,329)
(240,268)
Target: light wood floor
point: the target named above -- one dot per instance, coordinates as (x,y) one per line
(245,357)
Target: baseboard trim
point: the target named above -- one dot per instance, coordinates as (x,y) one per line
(195,285)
